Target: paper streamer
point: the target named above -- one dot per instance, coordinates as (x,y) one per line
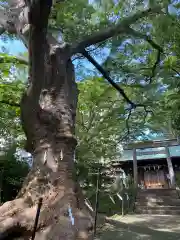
(70,215)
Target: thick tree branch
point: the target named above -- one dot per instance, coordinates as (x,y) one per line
(114,84)
(154,45)
(153,72)
(128,132)
(96,47)
(119,89)
(147,38)
(2,30)
(79,56)
(122,93)
(174,70)
(120,28)
(38,19)
(127,121)
(106,76)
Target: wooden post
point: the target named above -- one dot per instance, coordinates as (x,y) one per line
(97,201)
(37,218)
(178,139)
(1,184)
(170,167)
(135,169)
(122,207)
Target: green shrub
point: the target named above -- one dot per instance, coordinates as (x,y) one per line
(12,174)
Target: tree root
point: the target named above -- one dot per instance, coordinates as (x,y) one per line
(17,220)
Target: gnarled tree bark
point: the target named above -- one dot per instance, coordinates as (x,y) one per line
(48,111)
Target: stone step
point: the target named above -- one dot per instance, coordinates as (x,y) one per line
(157,191)
(158,198)
(173,195)
(165,207)
(159,202)
(158,211)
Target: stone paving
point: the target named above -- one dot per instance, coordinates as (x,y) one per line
(138,227)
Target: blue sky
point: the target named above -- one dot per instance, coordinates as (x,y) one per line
(14,47)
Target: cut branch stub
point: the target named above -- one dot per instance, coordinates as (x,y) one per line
(120,28)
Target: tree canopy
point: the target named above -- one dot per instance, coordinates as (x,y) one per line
(142,60)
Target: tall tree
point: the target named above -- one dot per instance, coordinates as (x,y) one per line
(48,107)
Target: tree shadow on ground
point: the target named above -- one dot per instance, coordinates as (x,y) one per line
(116,230)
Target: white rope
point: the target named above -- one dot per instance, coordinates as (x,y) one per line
(45,158)
(70,214)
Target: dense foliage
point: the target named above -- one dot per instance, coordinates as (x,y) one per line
(13,170)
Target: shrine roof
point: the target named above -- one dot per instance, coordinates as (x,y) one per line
(151,150)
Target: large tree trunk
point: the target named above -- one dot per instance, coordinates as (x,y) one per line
(48,116)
